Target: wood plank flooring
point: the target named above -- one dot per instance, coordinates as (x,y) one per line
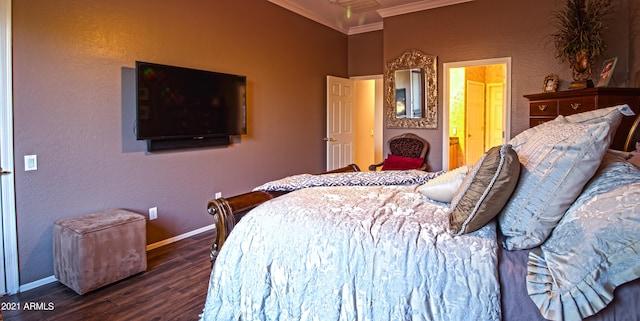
(173,287)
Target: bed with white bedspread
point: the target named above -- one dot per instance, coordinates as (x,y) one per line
(545,227)
(354,253)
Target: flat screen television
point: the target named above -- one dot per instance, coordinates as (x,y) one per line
(176,103)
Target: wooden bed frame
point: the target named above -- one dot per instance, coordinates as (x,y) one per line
(227,212)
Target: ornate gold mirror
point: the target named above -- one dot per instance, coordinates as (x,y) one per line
(411,91)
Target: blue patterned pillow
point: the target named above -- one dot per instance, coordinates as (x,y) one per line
(557,161)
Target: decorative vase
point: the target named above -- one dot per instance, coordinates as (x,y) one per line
(581,67)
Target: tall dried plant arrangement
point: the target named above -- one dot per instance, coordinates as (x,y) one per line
(578,39)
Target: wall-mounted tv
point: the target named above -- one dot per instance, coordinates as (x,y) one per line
(183,104)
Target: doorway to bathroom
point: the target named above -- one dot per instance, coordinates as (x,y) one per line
(476,108)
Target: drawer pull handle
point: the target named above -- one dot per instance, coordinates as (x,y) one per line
(576,106)
(542,107)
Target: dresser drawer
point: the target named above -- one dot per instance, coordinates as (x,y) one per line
(576,105)
(543,108)
(533,122)
(574,101)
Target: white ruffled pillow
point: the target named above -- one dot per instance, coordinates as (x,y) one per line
(594,248)
(445,186)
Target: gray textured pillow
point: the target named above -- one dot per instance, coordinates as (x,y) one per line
(485,190)
(557,161)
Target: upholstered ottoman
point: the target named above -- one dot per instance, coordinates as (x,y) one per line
(97,249)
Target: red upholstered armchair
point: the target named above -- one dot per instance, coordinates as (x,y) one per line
(407,151)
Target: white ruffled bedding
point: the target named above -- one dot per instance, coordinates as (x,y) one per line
(354,253)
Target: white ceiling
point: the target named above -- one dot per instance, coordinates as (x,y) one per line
(357,16)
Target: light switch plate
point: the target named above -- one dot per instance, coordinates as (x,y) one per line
(30,162)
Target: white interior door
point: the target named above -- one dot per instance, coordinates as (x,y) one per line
(495,129)
(340,132)
(451,93)
(475,122)
(8,238)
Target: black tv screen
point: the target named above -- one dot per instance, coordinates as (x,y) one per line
(182,103)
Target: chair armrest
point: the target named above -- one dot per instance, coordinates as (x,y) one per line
(373,167)
(347,169)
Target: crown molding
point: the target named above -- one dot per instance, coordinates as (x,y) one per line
(366,28)
(386,12)
(309,14)
(417,6)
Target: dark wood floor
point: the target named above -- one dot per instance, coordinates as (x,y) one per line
(174,287)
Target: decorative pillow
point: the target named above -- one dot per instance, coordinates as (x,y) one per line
(485,190)
(444,187)
(599,233)
(557,161)
(394,162)
(611,115)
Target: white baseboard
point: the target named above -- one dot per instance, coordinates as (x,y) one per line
(180,237)
(38,283)
(51,279)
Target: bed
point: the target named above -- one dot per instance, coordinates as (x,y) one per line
(544,227)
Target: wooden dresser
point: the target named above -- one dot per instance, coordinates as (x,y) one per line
(546,106)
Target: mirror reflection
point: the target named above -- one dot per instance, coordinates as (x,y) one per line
(411,91)
(409,94)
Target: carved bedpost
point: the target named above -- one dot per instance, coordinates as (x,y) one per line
(224,221)
(226,212)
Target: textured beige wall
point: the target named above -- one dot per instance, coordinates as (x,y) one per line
(365,54)
(75,105)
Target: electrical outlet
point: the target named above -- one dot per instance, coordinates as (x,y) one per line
(153,213)
(218,195)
